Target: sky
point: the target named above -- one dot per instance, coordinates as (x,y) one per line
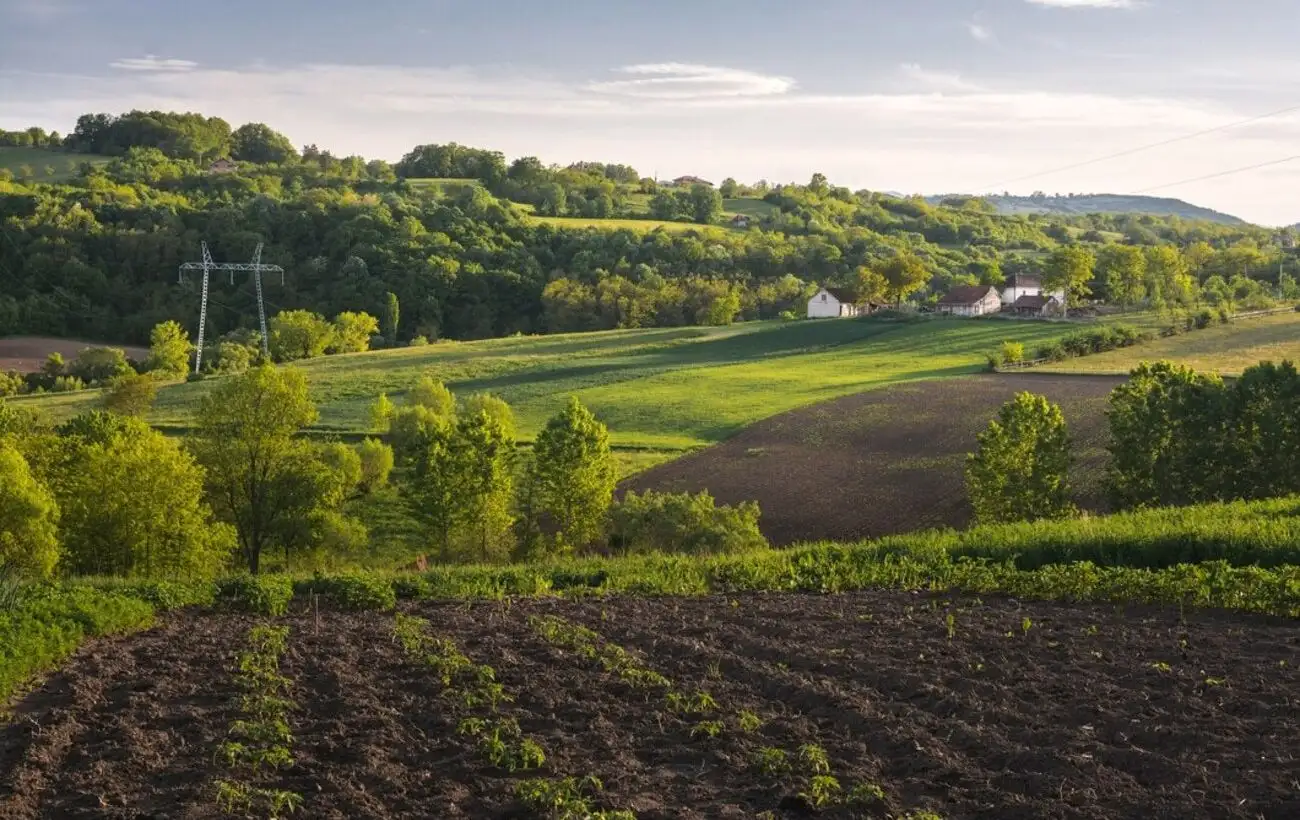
(913,96)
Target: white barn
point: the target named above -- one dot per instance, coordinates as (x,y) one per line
(831,303)
(971,301)
(1028,285)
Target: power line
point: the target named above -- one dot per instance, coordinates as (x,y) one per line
(1141,148)
(1220,174)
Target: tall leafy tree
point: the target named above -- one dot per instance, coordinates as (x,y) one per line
(169,351)
(706,204)
(352,332)
(1020,470)
(1069,269)
(484,455)
(573,475)
(904,273)
(29,517)
(244,439)
(299,334)
(132,505)
(257,142)
(392,315)
(1123,269)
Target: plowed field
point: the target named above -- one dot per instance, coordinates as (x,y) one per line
(967,708)
(26,354)
(882,462)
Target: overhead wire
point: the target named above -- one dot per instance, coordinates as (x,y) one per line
(1218,174)
(1139,149)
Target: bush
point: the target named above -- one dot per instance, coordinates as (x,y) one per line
(683,523)
(67,384)
(376,464)
(788,316)
(1204,319)
(1053,352)
(354,591)
(1012,352)
(259,594)
(419,341)
(1019,472)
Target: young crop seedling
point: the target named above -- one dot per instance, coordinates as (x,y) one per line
(823,790)
(772,761)
(814,759)
(566,799)
(748,721)
(707,728)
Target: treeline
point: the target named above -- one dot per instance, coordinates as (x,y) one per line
(1177,437)
(96,257)
(104,494)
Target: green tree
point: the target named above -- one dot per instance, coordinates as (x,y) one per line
(430,393)
(683,523)
(729,188)
(1123,269)
(132,506)
(1264,443)
(1167,437)
(1069,269)
(345,463)
(436,482)
(352,332)
(1168,276)
(483,455)
(392,316)
(28,517)
(256,142)
(100,365)
(904,273)
(665,206)
(1019,472)
(131,395)
(244,439)
(706,204)
(495,407)
(299,334)
(169,351)
(573,475)
(872,286)
(376,464)
(381,413)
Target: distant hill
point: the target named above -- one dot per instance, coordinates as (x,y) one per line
(1103,204)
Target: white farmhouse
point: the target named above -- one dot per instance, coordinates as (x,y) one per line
(831,303)
(1028,285)
(975,300)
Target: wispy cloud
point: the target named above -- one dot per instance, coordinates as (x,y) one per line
(1086,4)
(979,31)
(152,62)
(40,11)
(935,80)
(690,81)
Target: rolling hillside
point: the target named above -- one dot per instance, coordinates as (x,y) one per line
(667,389)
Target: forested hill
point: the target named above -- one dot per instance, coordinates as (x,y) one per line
(94,225)
(1076,204)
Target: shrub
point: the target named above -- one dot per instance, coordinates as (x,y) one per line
(131,395)
(1204,319)
(1053,352)
(67,384)
(1012,352)
(100,365)
(233,358)
(260,594)
(419,341)
(355,591)
(683,523)
(788,316)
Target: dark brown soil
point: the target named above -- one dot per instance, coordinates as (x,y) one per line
(881,462)
(1009,710)
(26,354)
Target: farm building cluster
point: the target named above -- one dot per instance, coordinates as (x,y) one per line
(1022,296)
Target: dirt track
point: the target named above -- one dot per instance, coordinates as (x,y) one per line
(882,462)
(1010,710)
(26,354)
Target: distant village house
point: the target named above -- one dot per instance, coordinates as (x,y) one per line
(834,303)
(223,166)
(1027,285)
(688,180)
(975,300)
(1031,305)
(740,221)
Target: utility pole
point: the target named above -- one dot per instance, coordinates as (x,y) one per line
(207,266)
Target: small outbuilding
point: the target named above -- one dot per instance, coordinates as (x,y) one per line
(223,166)
(975,300)
(740,221)
(833,303)
(1028,305)
(1027,285)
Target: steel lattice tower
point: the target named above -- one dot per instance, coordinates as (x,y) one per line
(207,266)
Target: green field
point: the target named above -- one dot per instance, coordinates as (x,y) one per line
(39,159)
(1227,349)
(642,225)
(662,389)
(753,208)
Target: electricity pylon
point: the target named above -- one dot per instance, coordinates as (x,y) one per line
(207,266)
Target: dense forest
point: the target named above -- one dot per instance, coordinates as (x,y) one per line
(475,246)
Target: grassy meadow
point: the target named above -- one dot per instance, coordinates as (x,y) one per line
(65,165)
(667,389)
(1226,349)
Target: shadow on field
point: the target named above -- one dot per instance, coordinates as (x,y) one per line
(882,462)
